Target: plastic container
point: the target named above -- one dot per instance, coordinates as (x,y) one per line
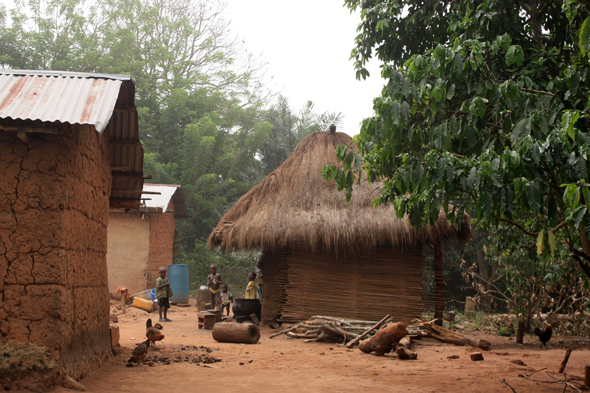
(179,282)
(154,294)
(146,305)
(146,295)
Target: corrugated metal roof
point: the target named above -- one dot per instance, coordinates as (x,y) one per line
(160,202)
(105,101)
(67,97)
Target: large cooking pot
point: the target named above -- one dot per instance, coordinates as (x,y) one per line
(247,307)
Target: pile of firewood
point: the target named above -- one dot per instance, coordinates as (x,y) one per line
(337,330)
(378,337)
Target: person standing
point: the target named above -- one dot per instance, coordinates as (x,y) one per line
(226,299)
(252,288)
(163,293)
(214,282)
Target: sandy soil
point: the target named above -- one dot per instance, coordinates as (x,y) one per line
(290,365)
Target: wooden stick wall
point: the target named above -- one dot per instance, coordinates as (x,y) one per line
(383,281)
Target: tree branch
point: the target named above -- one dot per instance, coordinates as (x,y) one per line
(516,225)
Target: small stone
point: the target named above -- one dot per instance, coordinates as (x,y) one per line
(518,362)
(453,357)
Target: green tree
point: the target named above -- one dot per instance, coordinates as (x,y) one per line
(289,128)
(486,109)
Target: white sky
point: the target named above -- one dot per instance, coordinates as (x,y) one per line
(307,44)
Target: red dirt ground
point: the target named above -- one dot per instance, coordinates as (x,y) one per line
(290,365)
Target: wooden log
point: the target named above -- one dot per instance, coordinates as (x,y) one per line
(587,375)
(346,321)
(299,325)
(448,336)
(404,354)
(565,359)
(336,330)
(405,342)
(365,334)
(383,341)
(233,332)
(301,335)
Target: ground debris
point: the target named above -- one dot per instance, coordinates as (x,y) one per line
(181,354)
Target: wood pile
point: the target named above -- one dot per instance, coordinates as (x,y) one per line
(337,330)
(379,337)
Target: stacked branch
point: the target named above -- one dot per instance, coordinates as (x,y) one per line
(338,330)
(323,330)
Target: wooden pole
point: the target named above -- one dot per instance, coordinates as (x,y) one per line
(439,283)
(565,359)
(123,299)
(587,375)
(359,338)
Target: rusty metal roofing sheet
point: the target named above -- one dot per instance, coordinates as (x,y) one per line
(66,97)
(160,202)
(105,101)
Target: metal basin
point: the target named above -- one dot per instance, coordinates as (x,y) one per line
(247,307)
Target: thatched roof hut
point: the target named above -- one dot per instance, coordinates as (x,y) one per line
(294,211)
(295,205)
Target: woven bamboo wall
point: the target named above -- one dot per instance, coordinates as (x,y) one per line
(369,286)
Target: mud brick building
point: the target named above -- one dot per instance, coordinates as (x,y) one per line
(140,241)
(69,150)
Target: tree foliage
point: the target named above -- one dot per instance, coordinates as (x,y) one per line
(200,97)
(485,110)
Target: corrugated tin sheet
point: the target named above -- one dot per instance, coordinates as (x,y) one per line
(74,98)
(160,202)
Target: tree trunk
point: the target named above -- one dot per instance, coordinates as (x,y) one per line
(486,273)
(520,332)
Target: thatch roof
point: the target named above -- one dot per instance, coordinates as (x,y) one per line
(294,205)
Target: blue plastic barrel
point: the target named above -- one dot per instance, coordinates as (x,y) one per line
(154,294)
(179,282)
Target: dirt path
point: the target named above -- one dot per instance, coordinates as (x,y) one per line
(289,365)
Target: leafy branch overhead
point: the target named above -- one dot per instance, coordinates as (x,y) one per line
(486,110)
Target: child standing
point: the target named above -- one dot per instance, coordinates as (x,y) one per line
(213,282)
(226,298)
(163,292)
(252,288)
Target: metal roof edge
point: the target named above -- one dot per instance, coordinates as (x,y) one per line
(119,77)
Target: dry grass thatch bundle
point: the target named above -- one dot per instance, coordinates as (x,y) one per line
(294,205)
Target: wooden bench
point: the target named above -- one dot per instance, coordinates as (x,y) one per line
(206,320)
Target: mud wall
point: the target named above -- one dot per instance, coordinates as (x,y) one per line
(161,244)
(127,256)
(54,201)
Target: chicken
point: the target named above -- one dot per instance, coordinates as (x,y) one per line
(152,333)
(140,352)
(544,335)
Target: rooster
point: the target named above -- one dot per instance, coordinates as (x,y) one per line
(544,335)
(152,333)
(140,352)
